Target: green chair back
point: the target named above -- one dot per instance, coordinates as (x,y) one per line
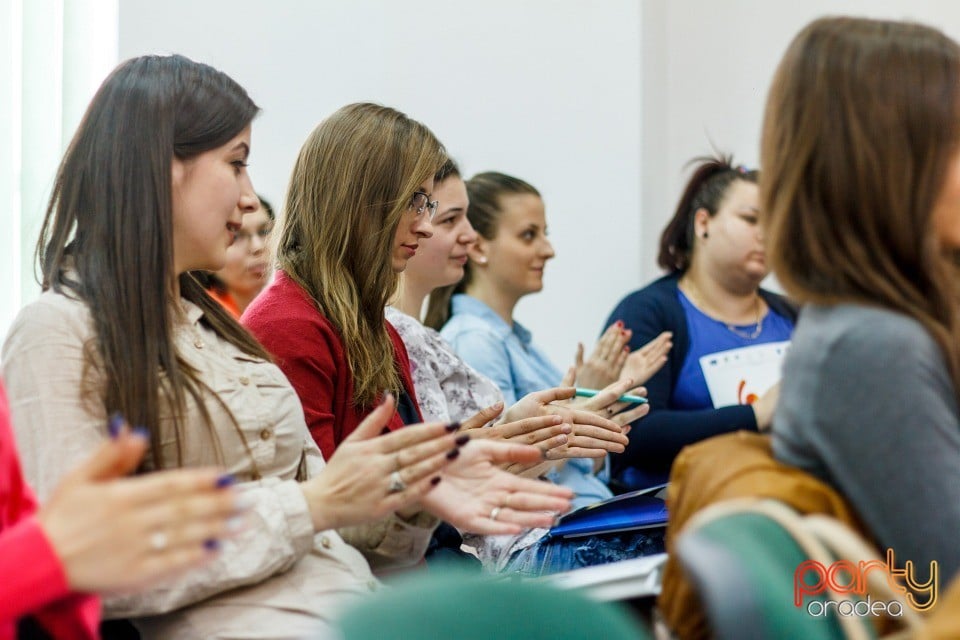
(467,607)
(742,565)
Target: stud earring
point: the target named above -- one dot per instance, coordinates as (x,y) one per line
(705,235)
(482,260)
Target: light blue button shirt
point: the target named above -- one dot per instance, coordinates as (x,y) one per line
(507,355)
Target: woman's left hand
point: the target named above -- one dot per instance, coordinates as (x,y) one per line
(607,360)
(476,496)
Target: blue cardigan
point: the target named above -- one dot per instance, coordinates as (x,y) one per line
(656,439)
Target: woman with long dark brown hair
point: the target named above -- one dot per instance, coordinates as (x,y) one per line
(861,195)
(153,186)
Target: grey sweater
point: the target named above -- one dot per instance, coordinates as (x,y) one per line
(868,406)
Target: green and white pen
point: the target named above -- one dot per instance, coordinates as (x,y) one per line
(589,393)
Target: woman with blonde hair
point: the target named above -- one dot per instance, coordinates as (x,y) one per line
(358,204)
(860,194)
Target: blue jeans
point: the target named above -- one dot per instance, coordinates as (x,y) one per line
(555,555)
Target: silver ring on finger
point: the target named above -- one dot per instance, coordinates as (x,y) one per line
(494,513)
(396,483)
(159,541)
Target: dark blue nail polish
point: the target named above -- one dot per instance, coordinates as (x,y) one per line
(142,432)
(453,426)
(435,481)
(226,480)
(211,544)
(115,424)
(452,454)
(462,440)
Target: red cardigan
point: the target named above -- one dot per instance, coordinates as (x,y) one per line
(33,582)
(309,351)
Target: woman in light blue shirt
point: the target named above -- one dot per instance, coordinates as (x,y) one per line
(506,262)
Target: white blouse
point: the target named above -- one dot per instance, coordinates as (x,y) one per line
(448,389)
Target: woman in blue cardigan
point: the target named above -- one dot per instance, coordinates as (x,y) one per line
(728,333)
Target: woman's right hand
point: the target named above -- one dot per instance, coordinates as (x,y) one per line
(355,485)
(593,434)
(605,403)
(114,534)
(541,429)
(765,407)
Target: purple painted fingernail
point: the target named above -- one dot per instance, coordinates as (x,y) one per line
(141,432)
(226,480)
(211,544)
(462,440)
(435,480)
(115,424)
(453,426)
(452,454)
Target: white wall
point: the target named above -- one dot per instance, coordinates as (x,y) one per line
(53,56)
(597,104)
(706,77)
(547,90)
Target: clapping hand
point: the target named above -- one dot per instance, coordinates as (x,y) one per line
(370,475)
(477,496)
(607,359)
(115,534)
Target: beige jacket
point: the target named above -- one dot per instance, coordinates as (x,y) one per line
(278,579)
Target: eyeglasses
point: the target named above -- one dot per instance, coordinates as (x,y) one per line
(421,201)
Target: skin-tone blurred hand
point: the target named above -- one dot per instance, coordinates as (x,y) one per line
(473,486)
(607,359)
(593,435)
(765,407)
(354,486)
(605,403)
(544,430)
(643,363)
(115,534)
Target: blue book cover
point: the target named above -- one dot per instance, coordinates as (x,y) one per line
(626,512)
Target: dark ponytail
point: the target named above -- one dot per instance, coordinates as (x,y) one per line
(705,190)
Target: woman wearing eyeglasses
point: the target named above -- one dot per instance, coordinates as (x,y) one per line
(729,334)
(358,204)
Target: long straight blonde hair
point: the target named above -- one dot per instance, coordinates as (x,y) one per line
(861,124)
(354,178)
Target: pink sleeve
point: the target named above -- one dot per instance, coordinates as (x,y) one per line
(34,583)
(33,579)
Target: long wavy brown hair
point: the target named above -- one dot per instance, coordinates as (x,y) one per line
(861,124)
(108,233)
(352,182)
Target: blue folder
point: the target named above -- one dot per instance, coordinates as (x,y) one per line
(626,512)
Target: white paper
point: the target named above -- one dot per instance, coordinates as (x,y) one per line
(741,376)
